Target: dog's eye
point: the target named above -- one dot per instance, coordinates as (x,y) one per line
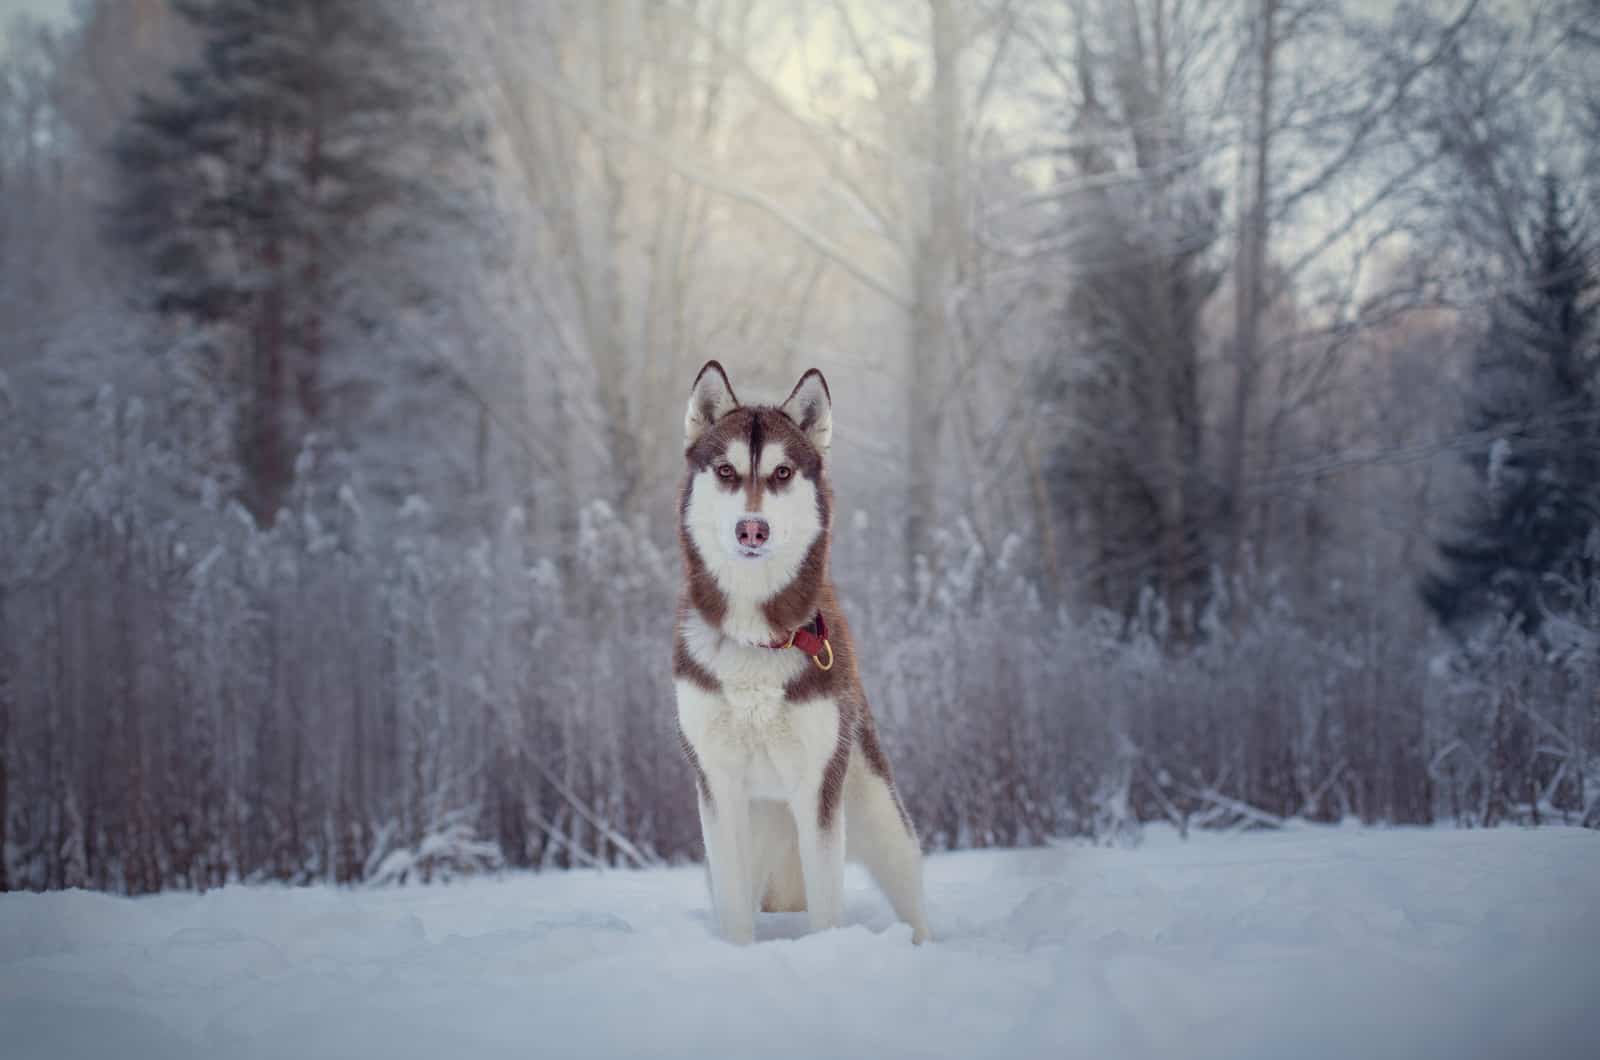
(725,471)
(783,472)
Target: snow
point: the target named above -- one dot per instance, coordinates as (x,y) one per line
(1312,942)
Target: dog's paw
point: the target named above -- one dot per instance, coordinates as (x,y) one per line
(740,936)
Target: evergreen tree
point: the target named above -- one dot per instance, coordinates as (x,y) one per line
(1527,546)
(270,195)
(1127,468)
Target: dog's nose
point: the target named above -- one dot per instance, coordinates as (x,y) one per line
(752,532)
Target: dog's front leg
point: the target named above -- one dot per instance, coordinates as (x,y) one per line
(725,828)
(817,761)
(821,862)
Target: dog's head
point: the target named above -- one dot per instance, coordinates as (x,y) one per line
(756,502)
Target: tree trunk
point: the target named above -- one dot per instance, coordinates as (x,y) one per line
(266,458)
(933,269)
(309,357)
(1249,285)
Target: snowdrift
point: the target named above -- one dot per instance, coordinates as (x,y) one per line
(1304,943)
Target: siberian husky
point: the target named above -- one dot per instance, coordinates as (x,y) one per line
(790,775)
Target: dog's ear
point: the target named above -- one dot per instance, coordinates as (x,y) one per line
(710,399)
(811,408)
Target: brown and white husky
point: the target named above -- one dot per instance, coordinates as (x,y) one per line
(790,773)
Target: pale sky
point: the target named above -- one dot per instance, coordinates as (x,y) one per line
(53,10)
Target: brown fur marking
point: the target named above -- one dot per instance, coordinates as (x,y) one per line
(796,446)
(753,481)
(687,667)
(694,764)
(705,595)
(701,590)
(713,443)
(878,762)
(832,790)
(796,603)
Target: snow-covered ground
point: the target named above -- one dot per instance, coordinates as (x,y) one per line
(1308,943)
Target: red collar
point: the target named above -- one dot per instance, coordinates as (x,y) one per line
(812,638)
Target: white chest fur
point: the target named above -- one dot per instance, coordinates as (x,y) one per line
(748,733)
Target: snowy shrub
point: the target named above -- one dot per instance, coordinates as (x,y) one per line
(193,703)
(451,851)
